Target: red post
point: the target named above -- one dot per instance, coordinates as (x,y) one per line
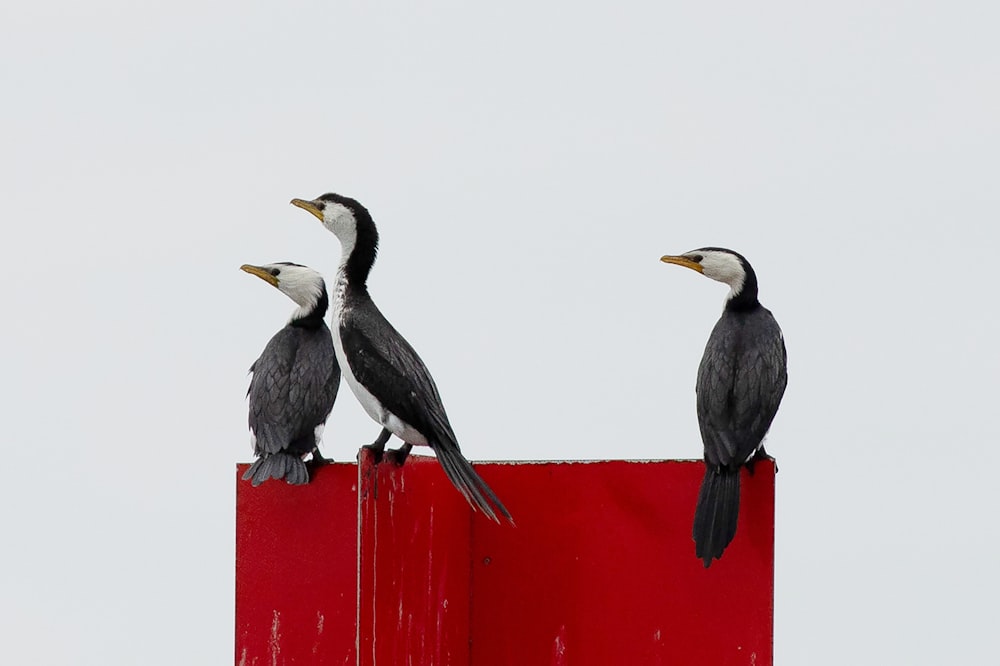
(599,570)
(414,566)
(296,570)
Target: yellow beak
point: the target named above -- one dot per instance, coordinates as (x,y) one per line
(262,273)
(309,206)
(682,261)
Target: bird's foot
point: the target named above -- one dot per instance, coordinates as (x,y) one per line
(757,457)
(378,446)
(398,456)
(318,461)
(378,452)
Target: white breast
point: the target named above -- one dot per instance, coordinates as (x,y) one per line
(371,404)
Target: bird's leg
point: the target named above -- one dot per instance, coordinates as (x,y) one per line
(398,456)
(378,446)
(761,454)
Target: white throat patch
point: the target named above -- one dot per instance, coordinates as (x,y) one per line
(723,267)
(339,219)
(302,285)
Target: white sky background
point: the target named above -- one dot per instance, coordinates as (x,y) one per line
(527,165)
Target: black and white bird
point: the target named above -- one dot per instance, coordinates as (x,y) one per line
(741,379)
(384,372)
(295,380)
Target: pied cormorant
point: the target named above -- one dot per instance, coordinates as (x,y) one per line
(384,372)
(295,380)
(741,379)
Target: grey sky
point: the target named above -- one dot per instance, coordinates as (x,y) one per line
(527,165)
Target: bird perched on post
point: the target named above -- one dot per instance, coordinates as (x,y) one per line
(741,379)
(295,380)
(384,372)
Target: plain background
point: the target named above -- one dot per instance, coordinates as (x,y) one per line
(527,164)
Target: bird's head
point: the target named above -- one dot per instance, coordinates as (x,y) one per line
(353,226)
(717,263)
(341,215)
(300,283)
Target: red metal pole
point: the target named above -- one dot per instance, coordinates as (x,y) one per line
(599,570)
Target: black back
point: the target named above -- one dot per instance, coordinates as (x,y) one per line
(293,388)
(741,380)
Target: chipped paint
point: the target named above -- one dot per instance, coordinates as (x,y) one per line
(319,632)
(274,644)
(559,648)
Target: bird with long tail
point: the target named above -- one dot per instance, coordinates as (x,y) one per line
(384,372)
(741,380)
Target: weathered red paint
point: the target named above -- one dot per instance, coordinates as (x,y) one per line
(414,566)
(296,577)
(599,570)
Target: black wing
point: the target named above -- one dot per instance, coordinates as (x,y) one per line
(740,383)
(293,388)
(391,370)
(385,363)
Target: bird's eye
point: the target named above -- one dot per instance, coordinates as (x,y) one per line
(275,272)
(696,258)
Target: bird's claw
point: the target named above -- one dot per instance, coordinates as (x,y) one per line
(318,461)
(378,452)
(396,457)
(757,457)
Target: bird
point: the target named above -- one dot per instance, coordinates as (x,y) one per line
(383,371)
(294,383)
(741,379)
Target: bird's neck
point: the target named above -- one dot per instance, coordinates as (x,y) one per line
(356,260)
(347,293)
(746,298)
(311,315)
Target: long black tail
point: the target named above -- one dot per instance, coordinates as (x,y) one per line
(473,488)
(717,512)
(277,466)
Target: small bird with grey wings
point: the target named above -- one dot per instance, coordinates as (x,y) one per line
(384,372)
(295,380)
(741,379)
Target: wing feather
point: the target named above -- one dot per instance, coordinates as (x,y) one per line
(293,387)
(384,362)
(741,379)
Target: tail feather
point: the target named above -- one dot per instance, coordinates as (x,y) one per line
(716,514)
(281,465)
(462,475)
